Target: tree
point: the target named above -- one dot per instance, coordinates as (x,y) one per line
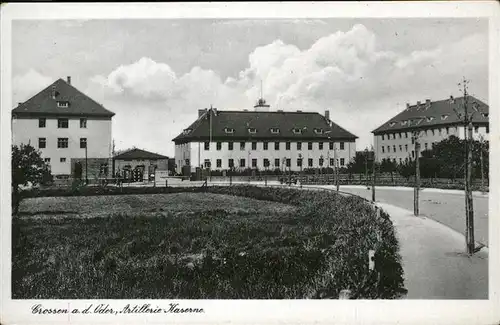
(28,168)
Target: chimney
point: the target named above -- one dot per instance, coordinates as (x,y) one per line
(407,105)
(68,79)
(327,114)
(427,102)
(418,103)
(452,100)
(53,94)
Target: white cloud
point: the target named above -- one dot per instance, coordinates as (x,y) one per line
(345,72)
(27,85)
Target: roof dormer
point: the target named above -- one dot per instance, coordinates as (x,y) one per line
(275,130)
(229,130)
(318,131)
(444,117)
(62,104)
(392,124)
(297,131)
(252,130)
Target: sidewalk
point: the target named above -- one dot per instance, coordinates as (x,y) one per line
(434,262)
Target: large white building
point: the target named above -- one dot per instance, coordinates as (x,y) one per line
(434,121)
(70,129)
(263,140)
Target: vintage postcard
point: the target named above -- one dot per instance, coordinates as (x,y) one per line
(212,163)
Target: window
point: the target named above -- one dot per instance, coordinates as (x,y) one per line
(230,145)
(266,162)
(406,147)
(252,130)
(299,162)
(318,131)
(310,162)
(332,161)
(254,145)
(476,129)
(400,147)
(444,117)
(276,162)
(287,145)
(230,163)
(254,163)
(62,160)
(242,145)
(207,145)
(187,131)
(42,122)
(412,140)
(219,145)
(83,142)
(388,148)
(485,115)
(487,129)
(413,154)
(439,131)
(330,145)
(426,132)
(321,160)
(42,142)
(242,162)
(342,146)
(320,145)
(62,123)
(406,135)
(425,146)
(62,104)
(447,130)
(310,146)
(62,142)
(275,130)
(229,130)
(342,161)
(83,123)
(276,146)
(383,151)
(394,148)
(400,160)
(433,132)
(207,163)
(399,135)
(288,162)
(47,160)
(218,163)
(299,145)
(383,136)
(266,145)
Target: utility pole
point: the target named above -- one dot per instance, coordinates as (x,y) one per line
(417,174)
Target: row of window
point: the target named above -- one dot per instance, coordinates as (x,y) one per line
(61,143)
(47,160)
(427,132)
(426,147)
(266,162)
(228,130)
(276,145)
(62,123)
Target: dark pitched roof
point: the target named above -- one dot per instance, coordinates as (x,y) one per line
(433,113)
(241,121)
(42,104)
(139,154)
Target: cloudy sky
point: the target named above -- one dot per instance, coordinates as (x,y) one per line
(156,74)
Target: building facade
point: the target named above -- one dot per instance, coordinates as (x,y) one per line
(143,162)
(72,131)
(433,122)
(262,140)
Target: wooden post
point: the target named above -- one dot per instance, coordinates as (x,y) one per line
(417,177)
(468,195)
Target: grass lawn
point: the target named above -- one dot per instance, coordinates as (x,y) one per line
(153,246)
(263,243)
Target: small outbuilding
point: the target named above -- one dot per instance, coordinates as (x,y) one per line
(138,165)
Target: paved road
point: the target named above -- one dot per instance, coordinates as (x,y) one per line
(446,208)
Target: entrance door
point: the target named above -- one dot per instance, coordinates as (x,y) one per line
(78,170)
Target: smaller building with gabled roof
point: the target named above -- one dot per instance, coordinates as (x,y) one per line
(434,121)
(262,140)
(139,165)
(71,130)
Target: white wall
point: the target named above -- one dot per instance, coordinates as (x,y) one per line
(426,137)
(98,134)
(197,154)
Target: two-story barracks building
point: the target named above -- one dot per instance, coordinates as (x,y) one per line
(263,140)
(69,129)
(434,121)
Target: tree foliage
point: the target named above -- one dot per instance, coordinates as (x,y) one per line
(28,168)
